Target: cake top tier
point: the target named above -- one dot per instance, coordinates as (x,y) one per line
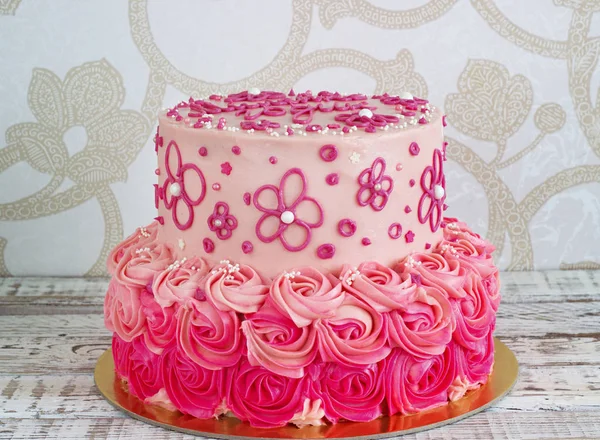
(324,113)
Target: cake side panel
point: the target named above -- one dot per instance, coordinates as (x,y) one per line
(276,202)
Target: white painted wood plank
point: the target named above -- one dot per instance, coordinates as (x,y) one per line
(486,425)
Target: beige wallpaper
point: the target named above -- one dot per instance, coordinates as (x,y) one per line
(81,83)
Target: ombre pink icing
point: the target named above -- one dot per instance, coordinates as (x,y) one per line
(288,316)
(305,295)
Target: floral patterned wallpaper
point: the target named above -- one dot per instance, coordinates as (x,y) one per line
(81,84)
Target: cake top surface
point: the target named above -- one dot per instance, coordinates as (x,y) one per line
(300,114)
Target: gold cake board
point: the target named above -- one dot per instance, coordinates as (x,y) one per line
(504,376)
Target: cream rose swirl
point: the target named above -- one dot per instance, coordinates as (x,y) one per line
(379,286)
(469,256)
(477,364)
(474,314)
(236,287)
(139,265)
(139,239)
(277,344)
(455,229)
(491,285)
(305,294)
(435,270)
(311,415)
(351,393)
(424,325)
(193,389)
(122,310)
(179,282)
(414,384)
(263,398)
(121,352)
(161,324)
(144,378)
(356,335)
(211,338)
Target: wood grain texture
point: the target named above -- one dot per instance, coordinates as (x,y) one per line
(52,332)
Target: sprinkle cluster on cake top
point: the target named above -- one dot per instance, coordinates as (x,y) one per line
(302,114)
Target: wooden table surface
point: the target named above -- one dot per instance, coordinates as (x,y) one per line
(52,332)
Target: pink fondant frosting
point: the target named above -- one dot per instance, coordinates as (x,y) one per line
(258,299)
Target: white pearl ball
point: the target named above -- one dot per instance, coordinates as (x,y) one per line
(406,95)
(175,189)
(439,191)
(287,217)
(377,187)
(218,223)
(365,112)
(254,91)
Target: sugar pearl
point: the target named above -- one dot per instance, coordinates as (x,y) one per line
(365,112)
(254,91)
(439,191)
(175,189)
(287,217)
(406,95)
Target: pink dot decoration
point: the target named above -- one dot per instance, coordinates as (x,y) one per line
(414,149)
(365,241)
(160,219)
(247,247)
(236,150)
(247,198)
(411,182)
(332,179)
(427,245)
(226,168)
(157,172)
(209,245)
(347,227)
(326,251)
(273,160)
(328,152)
(409,236)
(407,209)
(444,123)
(399,167)
(202,151)
(395,231)
(216,186)
(200,295)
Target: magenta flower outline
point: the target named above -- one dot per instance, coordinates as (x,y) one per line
(228,221)
(432,175)
(178,176)
(375,184)
(281,207)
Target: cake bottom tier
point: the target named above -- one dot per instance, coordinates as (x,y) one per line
(305,347)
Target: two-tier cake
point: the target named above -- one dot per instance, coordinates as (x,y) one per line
(300,269)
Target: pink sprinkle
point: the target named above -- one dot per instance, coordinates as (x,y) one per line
(326,251)
(395,231)
(333,126)
(221,124)
(247,247)
(411,182)
(200,295)
(443,224)
(346,130)
(328,152)
(427,245)
(273,160)
(157,172)
(236,150)
(160,219)
(407,209)
(365,241)
(409,236)
(215,97)
(202,151)
(209,245)
(332,179)
(179,118)
(399,167)
(347,227)
(291,93)
(414,149)
(445,206)
(226,168)
(423,121)
(289,131)
(247,198)
(370,129)
(216,186)
(415,278)
(408,114)
(444,147)
(444,123)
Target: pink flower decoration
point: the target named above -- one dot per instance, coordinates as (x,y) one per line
(226,168)
(174,190)
(375,186)
(430,206)
(288,212)
(221,222)
(369,123)
(262,125)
